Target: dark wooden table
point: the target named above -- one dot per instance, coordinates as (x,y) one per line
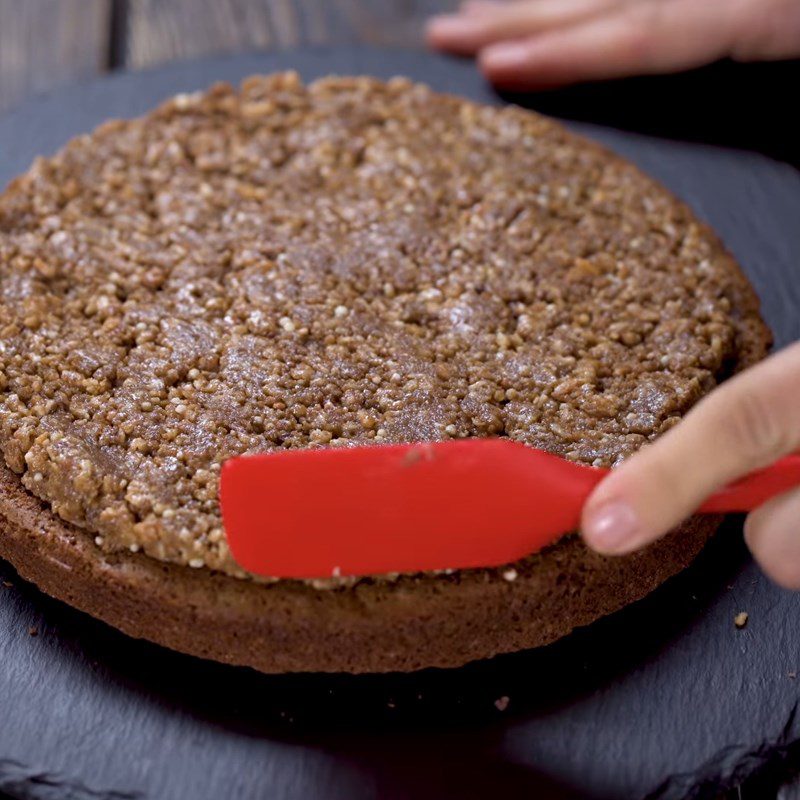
(47,43)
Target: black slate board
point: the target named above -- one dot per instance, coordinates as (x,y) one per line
(665,699)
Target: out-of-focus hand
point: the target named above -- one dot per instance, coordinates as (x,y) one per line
(534,44)
(747,423)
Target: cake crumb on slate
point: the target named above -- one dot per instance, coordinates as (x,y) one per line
(501,704)
(740,620)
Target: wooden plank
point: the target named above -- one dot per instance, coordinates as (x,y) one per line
(394,23)
(160,30)
(44,43)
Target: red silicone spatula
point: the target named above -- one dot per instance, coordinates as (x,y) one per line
(399,508)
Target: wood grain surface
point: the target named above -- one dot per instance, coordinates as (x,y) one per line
(158,31)
(46,43)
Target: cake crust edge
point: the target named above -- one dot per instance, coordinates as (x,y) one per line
(410,623)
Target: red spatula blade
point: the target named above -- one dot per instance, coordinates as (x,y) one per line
(403,508)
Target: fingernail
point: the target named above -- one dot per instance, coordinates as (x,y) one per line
(509,55)
(611,528)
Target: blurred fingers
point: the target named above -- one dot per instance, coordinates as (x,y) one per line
(481,23)
(649,36)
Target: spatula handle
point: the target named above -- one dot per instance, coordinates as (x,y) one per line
(756,488)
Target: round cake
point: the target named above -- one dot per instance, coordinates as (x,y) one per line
(346,263)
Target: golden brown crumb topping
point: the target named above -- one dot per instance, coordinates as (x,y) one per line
(343,263)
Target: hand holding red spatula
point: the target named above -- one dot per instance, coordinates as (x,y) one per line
(406,508)
(482,502)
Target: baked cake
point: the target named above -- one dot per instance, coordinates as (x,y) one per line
(346,263)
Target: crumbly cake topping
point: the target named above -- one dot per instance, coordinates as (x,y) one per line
(349,262)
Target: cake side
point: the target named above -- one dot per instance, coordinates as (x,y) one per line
(410,623)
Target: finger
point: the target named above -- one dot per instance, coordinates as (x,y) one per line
(748,422)
(773,535)
(768,30)
(651,36)
(481,24)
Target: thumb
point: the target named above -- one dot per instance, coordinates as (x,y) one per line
(747,423)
